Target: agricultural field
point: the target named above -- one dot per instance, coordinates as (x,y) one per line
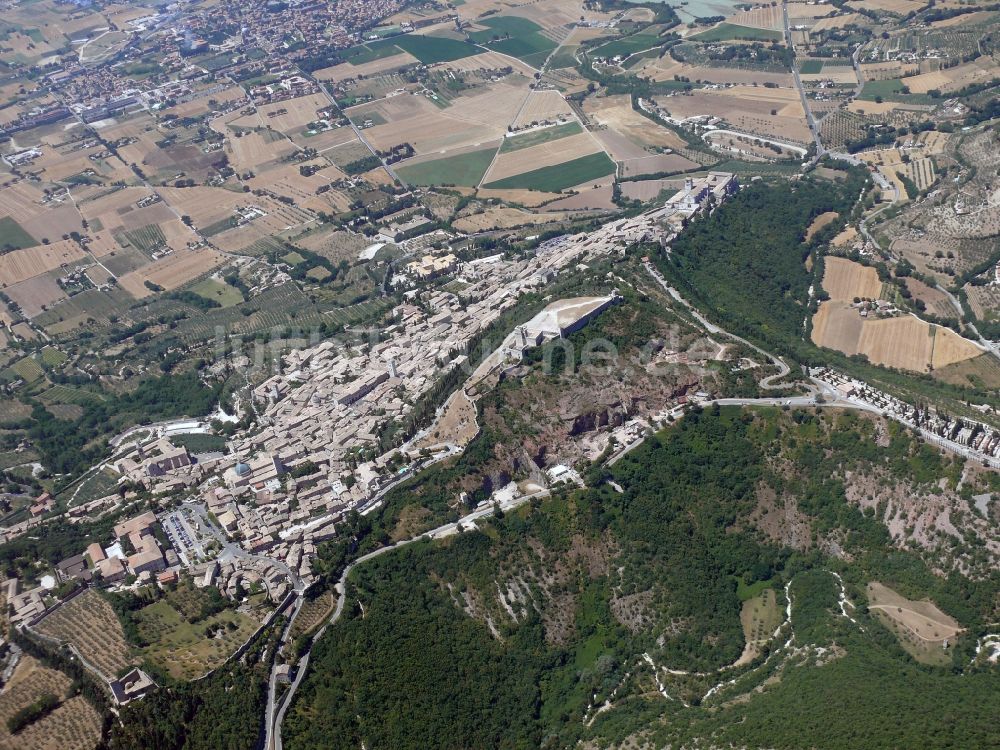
(74,725)
(217,291)
(905,342)
(426,49)
(537,137)
(171,271)
(760,616)
(548,154)
(514,36)
(19,265)
(462,169)
(313,612)
(13,236)
(845,279)
(561,176)
(89,624)
(731,32)
(921,628)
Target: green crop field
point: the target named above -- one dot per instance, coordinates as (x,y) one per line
(146,239)
(811,66)
(28,369)
(364,53)
(891,90)
(463,169)
(218,291)
(535,137)
(64,394)
(514,36)
(559,176)
(627,45)
(726,31)
(53,357)
(12,235)
(427,49)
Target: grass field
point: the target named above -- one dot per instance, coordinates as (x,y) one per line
(627,45)
(13,236)
(727,31)
(200,443)
(99,484)
(923,630)
(560,176)
(464,169)
(811,66)
(535,137)
(218,291)
(514,36)
(183,648)
(891,90)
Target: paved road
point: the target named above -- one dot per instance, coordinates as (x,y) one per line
(813,127)
(766,383)
(355,128)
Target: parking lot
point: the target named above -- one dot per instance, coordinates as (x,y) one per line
(183,538)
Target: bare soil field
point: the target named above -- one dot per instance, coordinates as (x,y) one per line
(205,205)
(647,190)
(298,112)
(35,295)
(543,105)
(504,218)
(761,17)
(747,108)
(468,121)
(529,198)
(837,22)
(665,68)
(171,271)
(543,155)
(921,627)
(950,348)
(902,7)
(836,325)
(656,164)
(953,79)
(590,198)
(21,201)
(936,301)
(251,151)
(109,208)
(457,424)
(819,222)
(89,623)
(19,265)
(616,113)
(906,342)
(346,71)
(883,71)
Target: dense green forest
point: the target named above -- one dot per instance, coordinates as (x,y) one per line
(223,711)
(427,656)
